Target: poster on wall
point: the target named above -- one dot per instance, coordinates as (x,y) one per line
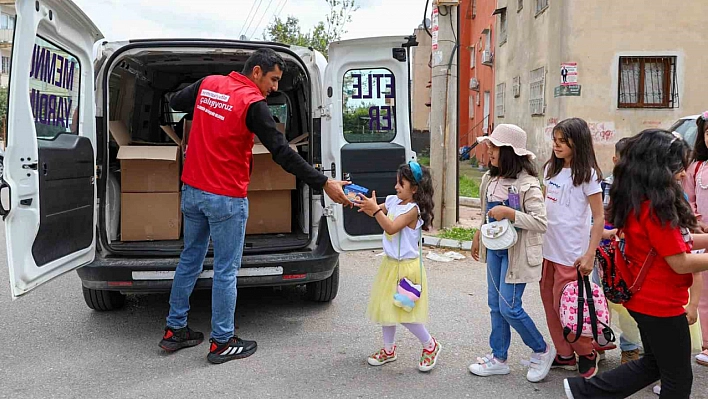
(434,29)
(569,73)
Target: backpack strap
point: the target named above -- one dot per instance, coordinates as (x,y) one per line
(581,312)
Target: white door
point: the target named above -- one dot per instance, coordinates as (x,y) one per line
(487,99)
(50,158)
(365,130)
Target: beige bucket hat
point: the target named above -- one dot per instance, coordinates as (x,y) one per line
(510,136)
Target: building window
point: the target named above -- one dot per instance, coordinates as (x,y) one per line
(541,6)
(472,101)
(474,8)
(647,82)
(520,6)
(516,88)
(7,21)
(502,27)
(5,65)
(473,58)
(501,88)
(537,87)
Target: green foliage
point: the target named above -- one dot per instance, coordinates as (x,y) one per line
(458,233)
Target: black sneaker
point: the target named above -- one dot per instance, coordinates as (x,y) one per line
(587,365)
(566,364)
(174,340)
(235,348)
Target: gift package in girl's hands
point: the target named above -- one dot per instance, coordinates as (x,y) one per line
(352,191)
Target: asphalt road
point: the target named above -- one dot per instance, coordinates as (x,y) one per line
(54,346)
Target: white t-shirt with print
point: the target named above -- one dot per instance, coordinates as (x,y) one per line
(409,237)
(569,217)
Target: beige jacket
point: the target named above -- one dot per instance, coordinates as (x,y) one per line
(526,256)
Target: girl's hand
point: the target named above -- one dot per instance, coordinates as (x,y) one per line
(692,314)
(500,212)
(609,234)
(475,246)
(585,264)
(702,227)
(367,205)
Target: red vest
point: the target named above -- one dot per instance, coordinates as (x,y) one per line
(220,144)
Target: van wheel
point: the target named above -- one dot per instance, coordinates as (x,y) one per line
(103,300)
(325,290)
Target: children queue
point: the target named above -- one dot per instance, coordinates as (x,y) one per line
(555,232)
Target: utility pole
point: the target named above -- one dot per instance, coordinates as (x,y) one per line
(443,112)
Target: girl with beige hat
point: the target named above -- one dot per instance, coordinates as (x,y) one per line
(511,190)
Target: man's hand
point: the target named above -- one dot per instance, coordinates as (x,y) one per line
(333,189)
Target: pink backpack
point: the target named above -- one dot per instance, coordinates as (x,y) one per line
(591,310)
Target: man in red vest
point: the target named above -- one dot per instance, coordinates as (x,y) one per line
(227,112)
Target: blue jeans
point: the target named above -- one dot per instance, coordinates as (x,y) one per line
(625,344)
(224,220)
(506,309)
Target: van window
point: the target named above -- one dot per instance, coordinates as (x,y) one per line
(279,112)
(54,90)
(369,106)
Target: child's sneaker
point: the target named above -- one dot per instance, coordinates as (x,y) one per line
(560,362)
(629,356)
(176,339)
(382,357)
(489,365)
(429,358)
(657,389)
(540,364)
(702,358)
(587,365)
(235,348)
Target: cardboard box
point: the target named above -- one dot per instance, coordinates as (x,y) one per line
(278,125)
(268,175)
(146,168)
(269,212)
(150,216)
(149,169)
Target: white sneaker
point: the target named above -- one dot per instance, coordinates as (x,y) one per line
(540,364)
(702,358)
(568,392)
(657,389)
(488,365)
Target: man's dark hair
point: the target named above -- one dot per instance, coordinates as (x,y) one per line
(265,58)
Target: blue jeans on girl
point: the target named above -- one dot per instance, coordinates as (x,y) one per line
(506,308)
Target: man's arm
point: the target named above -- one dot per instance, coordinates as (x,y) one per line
(260,121)
(185,99)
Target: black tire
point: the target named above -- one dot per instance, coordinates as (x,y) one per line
(103,300)
(325,290)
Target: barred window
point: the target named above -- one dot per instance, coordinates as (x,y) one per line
(501,88)
(537,87)
(647,82)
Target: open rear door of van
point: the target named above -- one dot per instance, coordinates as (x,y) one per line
(49,174)
(365,129)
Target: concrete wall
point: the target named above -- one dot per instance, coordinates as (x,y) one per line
(595,34)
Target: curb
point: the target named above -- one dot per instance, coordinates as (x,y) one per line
(470,202)
(436,242)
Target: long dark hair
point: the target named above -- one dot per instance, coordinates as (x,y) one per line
(510,164)
(646,171)
(700,151)
(577,134)
(424,193)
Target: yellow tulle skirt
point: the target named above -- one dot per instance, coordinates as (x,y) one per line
(381,309)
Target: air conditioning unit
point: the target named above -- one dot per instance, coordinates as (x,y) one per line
(474,84)
(487,57)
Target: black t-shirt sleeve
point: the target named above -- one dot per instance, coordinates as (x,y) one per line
(185,99)
(260,121)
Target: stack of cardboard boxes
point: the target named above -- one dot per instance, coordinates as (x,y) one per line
(150,188)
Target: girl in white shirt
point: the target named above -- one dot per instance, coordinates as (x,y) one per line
(402,218)
(573,194)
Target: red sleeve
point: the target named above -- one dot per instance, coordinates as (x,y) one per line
(666,240)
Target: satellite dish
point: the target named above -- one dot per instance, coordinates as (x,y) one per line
(427,23)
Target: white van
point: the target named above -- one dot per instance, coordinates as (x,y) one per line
(61,167)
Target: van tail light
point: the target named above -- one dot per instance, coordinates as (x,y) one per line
(294,276)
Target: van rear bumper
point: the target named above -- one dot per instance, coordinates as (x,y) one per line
(127,274)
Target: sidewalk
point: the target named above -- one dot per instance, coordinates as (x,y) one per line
(470,217)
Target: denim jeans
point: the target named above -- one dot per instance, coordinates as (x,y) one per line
(625,344)
(224,220)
